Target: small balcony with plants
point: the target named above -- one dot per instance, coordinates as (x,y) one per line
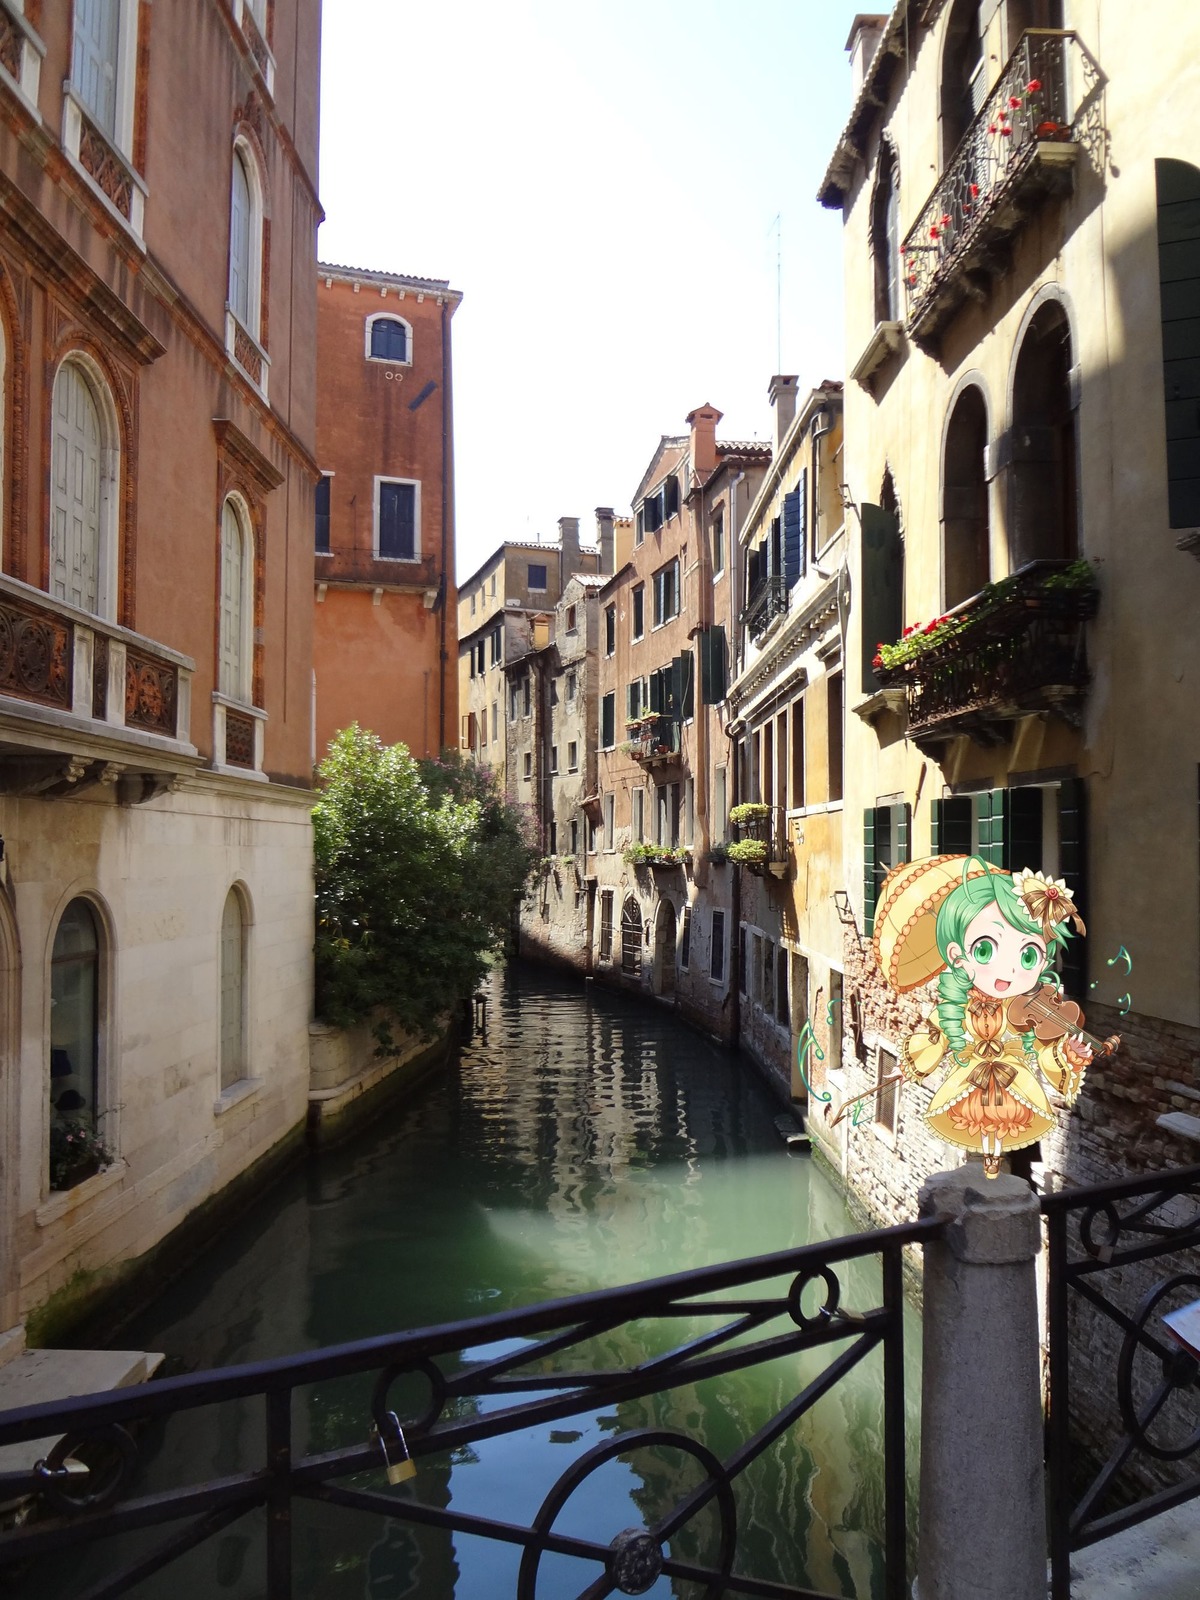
(1020,148)
(653,739)
(664,857)
(1016,648)
(761,845)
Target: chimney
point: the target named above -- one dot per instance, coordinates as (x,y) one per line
(865,33)
(604,537)
(703,423)
(782,395)
(568,538)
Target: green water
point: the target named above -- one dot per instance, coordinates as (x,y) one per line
(587,1143)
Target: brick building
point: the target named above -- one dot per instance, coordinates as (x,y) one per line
(384,640)
(157,338)
(1022,453)
(665,909)
(496,607)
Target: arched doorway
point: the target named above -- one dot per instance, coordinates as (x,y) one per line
(1043,497)
(965,558)
(631,938)
(664,949)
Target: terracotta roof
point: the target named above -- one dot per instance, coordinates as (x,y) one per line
(744,447)
(333,269)
(589,580)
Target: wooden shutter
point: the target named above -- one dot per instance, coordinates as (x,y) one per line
(672,677)
(231,665)
(902,834)
(993,827)
(1178,193)
(712,666)
(793,537)
(75,492)
(656,692)
(671,496)
(397,522)
(608,710)
(687,685)
(1072,868)
(882,586)
(869,877)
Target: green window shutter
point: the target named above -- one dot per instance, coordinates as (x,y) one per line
(936,810)
(656,692)
(951,826)
(903,830)
(882,587)
(1025,830)
(869,871)
(1072,868)
(993,826)
(687,684)
(608,717)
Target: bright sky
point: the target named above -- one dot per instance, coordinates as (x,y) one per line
(602,183)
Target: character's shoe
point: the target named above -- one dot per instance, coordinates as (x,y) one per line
(991,1166)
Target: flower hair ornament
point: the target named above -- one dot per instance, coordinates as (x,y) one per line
(1048,901)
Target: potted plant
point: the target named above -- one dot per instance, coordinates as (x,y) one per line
(751,819)
(750,853)
(76,1152)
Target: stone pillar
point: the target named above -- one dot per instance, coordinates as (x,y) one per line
(983,1509)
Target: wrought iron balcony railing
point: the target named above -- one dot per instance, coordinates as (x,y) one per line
(1021,146)
(654,740)
(1017,647)
(768,600)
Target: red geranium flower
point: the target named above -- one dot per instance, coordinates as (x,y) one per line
(1014,101)
(1006,133)
(1033,86)
(974,191)
(991,127)
(946,220)
(934,233)
(908,630)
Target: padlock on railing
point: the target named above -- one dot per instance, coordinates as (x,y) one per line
(403,1467)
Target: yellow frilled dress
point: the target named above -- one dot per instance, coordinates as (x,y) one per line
(995,1084)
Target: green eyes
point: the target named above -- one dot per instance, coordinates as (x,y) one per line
(982,951)
(1031,957)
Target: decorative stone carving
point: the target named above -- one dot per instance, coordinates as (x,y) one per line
(100,677)
(246,356)
(35,654)
(100,162)
(258,45)
(150,694)
(11,46)
(239,740)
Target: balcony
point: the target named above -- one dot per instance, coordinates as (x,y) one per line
(762,839)
(1016,648)
(654,740)
(86,701)
(768,600)
(1021,148)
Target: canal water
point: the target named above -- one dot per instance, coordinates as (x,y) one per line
(587,1142)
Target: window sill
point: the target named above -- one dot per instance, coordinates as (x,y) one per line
(244,350)
(228,713)
(62,1201)
(104,168)
(404,561)
(236,1094)
(886,341)
(387,361)
(26,82)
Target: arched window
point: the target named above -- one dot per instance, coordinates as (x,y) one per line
(75,1087)
(233,991)
(1178,193)
(965,556)
(964,73)
(84,466)
(885,237)
(1043,496)
(241,252)
(235,650)
(388,339)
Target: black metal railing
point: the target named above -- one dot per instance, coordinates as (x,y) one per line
(1106,1304)
(654,738)
(540,1365)
(1027,114)
(769,829)
(767,600)
(1018,647)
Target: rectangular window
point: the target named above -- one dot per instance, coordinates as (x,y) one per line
(666,593)
(537,577)
(639,611)
(571,623)
(633,699)
(833,1053)
(572,682)
(608,721)
(528,765)
(472,605)
(689,810)
(765,973)
(798,752)
(526,695)
(609,820)
(94,60)
(497,636)
(718,544)
(720,803)
(836,745)
(483,738)
(782,1013)
(321,507)
(716,954)
(886,837)
(606,924)
(573,756)
(553,691)
(886,1104)
(742,962)
(553,758)
(574,836)
(396,509)
(495,722)
(685,940)
(638,815)
(471,661)
(513,694)
(610,630)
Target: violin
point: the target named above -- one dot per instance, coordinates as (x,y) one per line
(1050,1015)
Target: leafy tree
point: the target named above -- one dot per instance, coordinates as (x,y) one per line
(418,865)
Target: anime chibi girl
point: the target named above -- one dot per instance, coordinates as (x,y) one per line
(990,937)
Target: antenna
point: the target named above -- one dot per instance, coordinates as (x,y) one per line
(778,226)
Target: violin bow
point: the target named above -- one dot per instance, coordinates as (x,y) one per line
(867,1094)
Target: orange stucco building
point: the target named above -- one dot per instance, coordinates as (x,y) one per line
(385,639)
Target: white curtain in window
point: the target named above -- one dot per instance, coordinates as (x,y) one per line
(75,491)
(94,60)
(239,244)
(233,1067)
(233,662)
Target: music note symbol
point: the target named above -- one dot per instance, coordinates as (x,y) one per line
(1123,1005)
(1122,955)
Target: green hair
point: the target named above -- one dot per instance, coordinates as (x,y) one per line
(956,914)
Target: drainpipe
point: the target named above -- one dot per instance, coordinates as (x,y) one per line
(443,587)
(735,906)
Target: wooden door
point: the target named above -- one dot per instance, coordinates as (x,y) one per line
(75,492)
